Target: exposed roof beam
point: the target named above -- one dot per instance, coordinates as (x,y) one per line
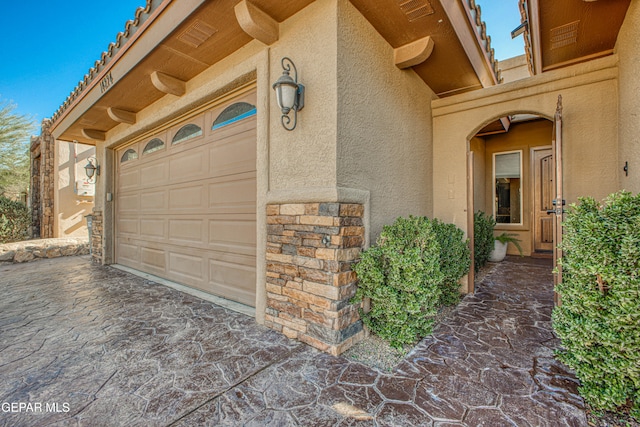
(121,116)
(255,22)
(413,53)
(94,134)
(168,84)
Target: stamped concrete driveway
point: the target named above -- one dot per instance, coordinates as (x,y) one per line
(88,345)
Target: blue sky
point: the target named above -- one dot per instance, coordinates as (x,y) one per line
(49,46)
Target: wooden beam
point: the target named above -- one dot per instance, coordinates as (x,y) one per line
(94,134)
(257,23)
(168,84)
(121,116)
(413,53)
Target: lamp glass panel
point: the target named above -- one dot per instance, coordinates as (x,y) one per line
(287,96)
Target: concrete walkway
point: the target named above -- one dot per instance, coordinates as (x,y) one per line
(87,345)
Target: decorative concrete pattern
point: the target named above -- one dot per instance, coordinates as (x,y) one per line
(311,248)
(112,349)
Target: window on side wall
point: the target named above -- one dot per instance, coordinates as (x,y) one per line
(507,189)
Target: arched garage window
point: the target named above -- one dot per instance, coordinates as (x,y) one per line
(154,145)
(234,113)
(186,132)
(130,154)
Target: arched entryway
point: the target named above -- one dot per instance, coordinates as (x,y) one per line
(513,171)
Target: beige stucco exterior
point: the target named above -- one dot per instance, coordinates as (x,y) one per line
(515,68)
(70,204)
(629,90)
(384,125)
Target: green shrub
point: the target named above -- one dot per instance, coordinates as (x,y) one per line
(455,260)
(599,318)
(403,277)
(482,238)
(15,220)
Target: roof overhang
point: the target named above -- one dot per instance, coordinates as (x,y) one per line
(170,42)
(563,33)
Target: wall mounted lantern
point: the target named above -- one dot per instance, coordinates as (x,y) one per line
(92,168)
(289,94)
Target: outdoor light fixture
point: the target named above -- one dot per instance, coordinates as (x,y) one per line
(92,168)
(289,94)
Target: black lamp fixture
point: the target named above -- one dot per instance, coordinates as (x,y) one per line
(92,168)
(289,94)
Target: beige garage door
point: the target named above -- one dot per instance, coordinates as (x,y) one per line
(186,202)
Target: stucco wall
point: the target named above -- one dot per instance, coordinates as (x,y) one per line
(70,207)
(513,69)
(384,124)
(629,119)
(305,157)
(590,130)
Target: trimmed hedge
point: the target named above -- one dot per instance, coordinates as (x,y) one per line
(408,275)
(599,318)
(15,221)
(483,240)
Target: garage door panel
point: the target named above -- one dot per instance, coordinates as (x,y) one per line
(154,174)
(129,203)
(128,254)
(153,200)
(235,156)
(234,194)
(233,236)
(187,230)
(153,227)
(187,198)
(129,179)
(233,279)
(188,212)
(128,226)
(186,266)
(188,166)
(153,260)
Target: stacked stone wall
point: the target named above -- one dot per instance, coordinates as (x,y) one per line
(311,249)
(96,237)
(43,182)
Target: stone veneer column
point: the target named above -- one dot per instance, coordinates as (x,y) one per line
(311,248)
(96,237)
(42,179)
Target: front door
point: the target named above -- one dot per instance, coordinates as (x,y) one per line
(543,193)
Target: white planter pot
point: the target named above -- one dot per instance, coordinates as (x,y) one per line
(499,251)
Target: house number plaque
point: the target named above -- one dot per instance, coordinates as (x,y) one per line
(106,82)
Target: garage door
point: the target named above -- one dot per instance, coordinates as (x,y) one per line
(186,202)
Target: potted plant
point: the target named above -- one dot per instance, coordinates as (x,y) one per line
(500,246)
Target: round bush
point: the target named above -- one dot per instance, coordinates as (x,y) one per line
(598,320)
(404,278)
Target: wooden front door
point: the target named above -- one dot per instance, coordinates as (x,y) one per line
(543,193)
